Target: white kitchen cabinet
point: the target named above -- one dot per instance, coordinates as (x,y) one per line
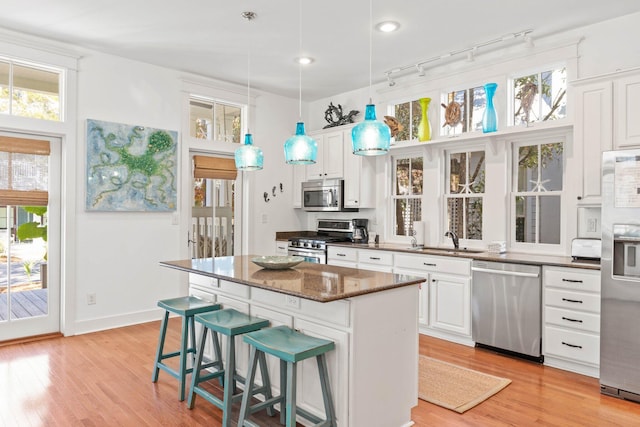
(342,256)
(299,176)
(359,177)
(627,132)
(308,388)
(571,318)
(446,297)
(593,133)
(375,260)
(329,163)
(423,294)
(282,247)
(275,318)
(450,303)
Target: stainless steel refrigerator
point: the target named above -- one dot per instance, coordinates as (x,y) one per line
(620,273)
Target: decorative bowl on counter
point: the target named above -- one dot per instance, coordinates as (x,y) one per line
(277,262)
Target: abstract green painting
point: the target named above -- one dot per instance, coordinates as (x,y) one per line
(130,168)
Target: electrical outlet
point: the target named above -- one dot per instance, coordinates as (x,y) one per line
(292,301)
(91,299)
(592,225)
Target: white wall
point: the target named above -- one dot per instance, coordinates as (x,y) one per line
(119,252)
(276,119)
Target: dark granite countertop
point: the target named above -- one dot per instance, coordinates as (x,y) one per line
(512,257)
(318,282)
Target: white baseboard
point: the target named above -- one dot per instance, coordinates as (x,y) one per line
(111,322)
(448,337)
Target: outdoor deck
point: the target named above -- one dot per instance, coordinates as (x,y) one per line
(27,303)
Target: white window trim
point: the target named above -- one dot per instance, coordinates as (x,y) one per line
(527,72)
(541,137)
(446,195)
(392,237)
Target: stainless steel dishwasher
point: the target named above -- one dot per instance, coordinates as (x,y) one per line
(507,308)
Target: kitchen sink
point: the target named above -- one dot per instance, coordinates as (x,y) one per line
(432,249)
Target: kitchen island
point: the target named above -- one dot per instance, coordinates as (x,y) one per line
(371,316)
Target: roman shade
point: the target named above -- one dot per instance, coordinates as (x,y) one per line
(214,167)
(24,171)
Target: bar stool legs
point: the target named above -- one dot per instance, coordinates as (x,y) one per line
(290,347)
(186,308)
(230,323)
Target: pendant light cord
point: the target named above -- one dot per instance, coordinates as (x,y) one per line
(248,87)
(299,63)
(370,45)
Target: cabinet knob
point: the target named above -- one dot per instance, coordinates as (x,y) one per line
(579,197)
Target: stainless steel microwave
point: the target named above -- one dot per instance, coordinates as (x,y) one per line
(324,196)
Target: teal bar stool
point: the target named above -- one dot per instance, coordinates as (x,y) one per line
(231,323)
(185,307)
(290,347)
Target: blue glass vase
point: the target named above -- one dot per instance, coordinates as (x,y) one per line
(300,149)
(248,157)
(370,137)
(490,118)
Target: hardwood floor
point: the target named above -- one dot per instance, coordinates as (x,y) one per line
(104,379)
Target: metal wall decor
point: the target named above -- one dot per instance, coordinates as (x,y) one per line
(334,116)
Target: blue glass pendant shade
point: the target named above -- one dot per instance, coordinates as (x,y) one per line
(489,117)
(249,157)
(371,137)
(300,149)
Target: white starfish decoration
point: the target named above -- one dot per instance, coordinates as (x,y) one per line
(466,188)
(538,185)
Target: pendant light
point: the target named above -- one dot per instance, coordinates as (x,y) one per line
(300,149)
(249,157)
(370,137)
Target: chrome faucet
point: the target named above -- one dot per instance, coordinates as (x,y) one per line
(454,238)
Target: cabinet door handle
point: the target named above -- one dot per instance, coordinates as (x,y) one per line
(572,280)
(374,258)
(571,320)
(341,254)
(571,345)
(428,264)
(572,300)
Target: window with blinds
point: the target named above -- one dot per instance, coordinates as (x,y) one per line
(24,172)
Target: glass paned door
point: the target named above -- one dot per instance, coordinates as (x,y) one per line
(212,218)
(23,263)
(29,228)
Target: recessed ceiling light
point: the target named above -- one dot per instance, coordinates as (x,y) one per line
(305,60)
(387,26)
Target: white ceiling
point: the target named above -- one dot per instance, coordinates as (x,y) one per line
(210,38)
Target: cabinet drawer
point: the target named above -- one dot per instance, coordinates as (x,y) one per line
(580,346)
(241,306)
(572,278)
(572,319)
(375,257)
(202,293)
(449,265)
(206,281)
(336,312)
(572,300)
(342,254)
(233,288)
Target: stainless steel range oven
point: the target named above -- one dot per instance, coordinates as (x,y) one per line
(313,248)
